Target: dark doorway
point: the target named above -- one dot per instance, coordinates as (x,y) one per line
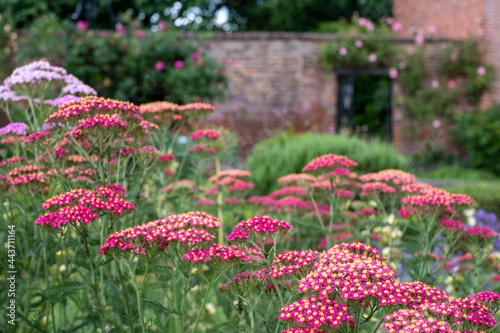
(364,104)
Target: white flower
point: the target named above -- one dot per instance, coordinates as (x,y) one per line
(210,308)
(62,268)
(372,203)
(389,219)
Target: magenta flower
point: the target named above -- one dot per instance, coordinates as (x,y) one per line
(393,73)
(195,56)
(162,26)
(481,71)
(372,57)
(419,39)
(178,65)
(451,84)
(343,51)
(14,128)
(436,124)
(397,26)
(82,25)
(160,66)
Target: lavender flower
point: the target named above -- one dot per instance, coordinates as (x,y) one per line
(75,86)
(31,77)
(8,95)
(488,220)
(14,128)
(62,100)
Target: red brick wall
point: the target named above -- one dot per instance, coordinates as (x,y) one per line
(457,19)
(275,82)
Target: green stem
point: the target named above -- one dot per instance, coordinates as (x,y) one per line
(214,278)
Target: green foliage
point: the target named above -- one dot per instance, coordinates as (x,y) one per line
(479,134)
(455,172)
(376,42)
(122,66)
(485,193)
(287,153)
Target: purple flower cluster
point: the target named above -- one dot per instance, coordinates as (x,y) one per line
(14,128)
(489,220)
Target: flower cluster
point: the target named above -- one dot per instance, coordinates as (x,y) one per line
(18,129)
(189,228)
(316,312)
(394,177)
(244,284)
(217,253)
(206,133)
(260,227)
(327,162)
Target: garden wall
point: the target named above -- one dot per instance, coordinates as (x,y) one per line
(457,19)
(276,82)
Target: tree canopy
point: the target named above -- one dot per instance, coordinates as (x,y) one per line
(228,15)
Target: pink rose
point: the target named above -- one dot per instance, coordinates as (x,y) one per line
(451,84)
(162,26)
(343,51)
(160,66)
(393,73)
(119,27)
(396,26)
(140,34)
(195,56)
(372,57)
(82,25)
(178,65)
(359,43)
(481,71)
(419,39)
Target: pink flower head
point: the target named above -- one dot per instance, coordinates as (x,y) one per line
(329,161)
(178,65)
(435,84)
(359,43)
(162,26)
(436,124)
(419,39)
(397,26)
(195,56)
(119,27)
(260,227)
(432,29)
(343,51)
(372,57)
(160,66)
(481,71)
(140,34)
(451,84)
(393,73)
(208,133)
(82,25)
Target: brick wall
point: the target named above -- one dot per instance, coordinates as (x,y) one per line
(275,82)
(457,19)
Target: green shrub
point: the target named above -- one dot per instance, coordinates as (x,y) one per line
(287,153)
(134,65)
(485,193)
(479,134)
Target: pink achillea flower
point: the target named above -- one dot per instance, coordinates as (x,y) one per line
(206,133)
(391,176)
(329,161)
(232,174)
(417,188)
(66,215)
(205,202)
(201,149)
(212,192)
(217,253)
(290,203)
(178,65)
(316,312)
(167,157)
(261,201)
(90,106)
(35,137)
(302,330)
(296,178)
(181,185)
(98,121)
(245,283)
(232,201)
(480,232)
(366,211)
(189,228)
(240,185)
(160,66)
(488,298)
(260,227)
(452,226)
(286,191)
(297,263)
(367,188)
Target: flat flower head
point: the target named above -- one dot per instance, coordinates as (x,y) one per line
(18,129)
(260,227)
(205,133)
(391,177)
(328,162)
